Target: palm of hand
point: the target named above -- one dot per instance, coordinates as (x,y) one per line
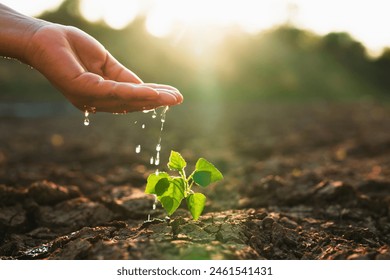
(89,77)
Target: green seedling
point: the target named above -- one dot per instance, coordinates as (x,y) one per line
(171,190)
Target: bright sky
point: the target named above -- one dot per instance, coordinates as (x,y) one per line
(366,20)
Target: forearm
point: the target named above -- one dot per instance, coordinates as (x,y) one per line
(16,30)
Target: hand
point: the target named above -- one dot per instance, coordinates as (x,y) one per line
(89,76)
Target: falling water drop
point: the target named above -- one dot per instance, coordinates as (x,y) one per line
(158,146)
(86,119)
(155,202)
(157,160)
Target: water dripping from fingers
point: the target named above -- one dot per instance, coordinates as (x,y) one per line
(87,111)
(86,118)
(154,160)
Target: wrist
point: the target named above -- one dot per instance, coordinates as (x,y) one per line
(16,33)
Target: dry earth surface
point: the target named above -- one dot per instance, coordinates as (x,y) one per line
(309,181)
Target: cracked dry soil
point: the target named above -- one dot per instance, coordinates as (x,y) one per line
(301,182)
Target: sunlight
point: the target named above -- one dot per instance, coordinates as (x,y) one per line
(202,24)
(113,12)
(250,15)
(367,21)
(32,7)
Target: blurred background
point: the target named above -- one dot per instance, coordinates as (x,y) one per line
(258,76)
(217,51)
(288,98)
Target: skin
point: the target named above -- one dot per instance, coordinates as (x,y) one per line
(79,66)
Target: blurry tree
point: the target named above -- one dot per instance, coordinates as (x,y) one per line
(281,63)
(382,70)
(290,63)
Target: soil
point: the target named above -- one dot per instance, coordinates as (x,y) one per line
(302,181)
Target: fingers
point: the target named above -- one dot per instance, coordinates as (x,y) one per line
(167,88)
(119,97)
(113,70)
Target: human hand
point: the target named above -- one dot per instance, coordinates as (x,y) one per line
(89,76)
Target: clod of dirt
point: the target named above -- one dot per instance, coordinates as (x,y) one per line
(10,195)
(73,214)
(13,217)
(48,193)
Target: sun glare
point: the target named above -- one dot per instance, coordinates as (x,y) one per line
(113,12)
(32,7)
(250,15)
(366,20)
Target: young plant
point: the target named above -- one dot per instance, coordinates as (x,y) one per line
(171,190)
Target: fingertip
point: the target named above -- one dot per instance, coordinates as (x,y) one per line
(146,92)
(167,88)
(167,98)
(176,93)
(178,98)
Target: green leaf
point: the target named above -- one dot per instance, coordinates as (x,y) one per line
(152,181)
(196,203)
(162,186)
(170,205)
(203,165)
(202,178)
(176,161)
(174,194)
(178,187)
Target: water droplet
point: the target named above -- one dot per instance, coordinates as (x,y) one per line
(157,160)
(138,149)
(158,147)
(155,202)
(151,160)
(143,126)
(157,172)
(163,115)
(165,111)
(86,119)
